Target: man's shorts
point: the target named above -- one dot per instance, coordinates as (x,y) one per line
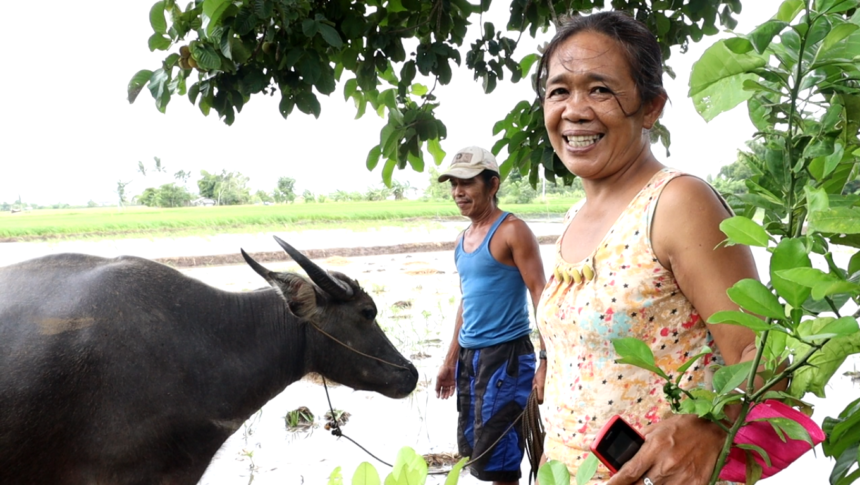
(493,386)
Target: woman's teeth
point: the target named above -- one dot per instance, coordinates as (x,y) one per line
(582,141)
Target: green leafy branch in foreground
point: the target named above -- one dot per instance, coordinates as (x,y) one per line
(388,54)
(409,469)
(799,76)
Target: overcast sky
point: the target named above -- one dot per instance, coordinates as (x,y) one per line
(69,134)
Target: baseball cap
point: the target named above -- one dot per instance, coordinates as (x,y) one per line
(469,162)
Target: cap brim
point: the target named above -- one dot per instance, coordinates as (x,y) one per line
(460,173)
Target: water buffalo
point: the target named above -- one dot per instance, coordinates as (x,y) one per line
(124,371)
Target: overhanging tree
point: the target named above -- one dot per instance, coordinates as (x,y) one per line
(386,54)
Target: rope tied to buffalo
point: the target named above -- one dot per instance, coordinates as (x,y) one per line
(532,431)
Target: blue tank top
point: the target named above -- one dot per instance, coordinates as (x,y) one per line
(495,308)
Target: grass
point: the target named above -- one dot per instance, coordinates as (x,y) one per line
(99,222)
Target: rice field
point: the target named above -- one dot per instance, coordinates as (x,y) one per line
(112,222)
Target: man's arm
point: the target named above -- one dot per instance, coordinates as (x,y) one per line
(446,378)
(525,252)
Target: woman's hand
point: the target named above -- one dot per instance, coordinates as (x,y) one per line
(680,450)
(539,380)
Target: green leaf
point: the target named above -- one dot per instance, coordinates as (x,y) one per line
(789,254)
(310,27)
(585,472)
(330,35)
(349,87)
(845,460)
(790,428)
(816,198)
(409,467)
(157,19)
(207,58)
(728,378)
(838,220)
(740,318)
(808,277)
(435,149)
(753,470)
(837,34)
(832,161)
(716,82)
(822,365)
(388,172)
(419,89)
(527,62)
(212,12)
(789,10)
(373,157)
(822,290)
(742,230)
(308,103)
(634,352)
(365,474)
(686,365)
(841,327)
(336,478)
(554,472)
(158,42)
(286,105)
(751,295)
(834,6)
(138,81)
(454,474)
(763,454)
(762,36)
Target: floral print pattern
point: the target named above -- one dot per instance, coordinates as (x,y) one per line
(631,295)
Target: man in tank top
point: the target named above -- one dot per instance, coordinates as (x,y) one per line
(490,363)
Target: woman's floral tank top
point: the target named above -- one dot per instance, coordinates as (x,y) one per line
(620,290)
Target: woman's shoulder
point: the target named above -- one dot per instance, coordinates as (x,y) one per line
(682,189)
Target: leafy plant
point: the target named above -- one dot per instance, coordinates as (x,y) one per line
(388,56)
(799,77)
(409,469)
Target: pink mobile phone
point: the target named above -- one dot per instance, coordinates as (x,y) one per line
(616,443)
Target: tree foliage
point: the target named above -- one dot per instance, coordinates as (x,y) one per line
(168,195)
(226,188)
(285,191)
(386,54)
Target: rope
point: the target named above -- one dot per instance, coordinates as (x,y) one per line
(335,428)
(533,433)
(354,350)
(532,428)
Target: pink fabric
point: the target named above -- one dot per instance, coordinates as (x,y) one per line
(762,434)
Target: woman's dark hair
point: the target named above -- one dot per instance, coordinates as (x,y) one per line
(639,44)
(487,176)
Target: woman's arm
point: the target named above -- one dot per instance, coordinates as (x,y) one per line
(682,450)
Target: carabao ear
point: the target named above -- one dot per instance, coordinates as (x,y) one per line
(298,292)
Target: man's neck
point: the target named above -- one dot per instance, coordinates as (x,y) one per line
(486,218)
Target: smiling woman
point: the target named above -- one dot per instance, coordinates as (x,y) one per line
(653,273)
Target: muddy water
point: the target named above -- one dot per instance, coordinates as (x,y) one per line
(417,297)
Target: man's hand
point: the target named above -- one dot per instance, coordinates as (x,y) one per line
(680,450)
(539,380)
(445,382)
